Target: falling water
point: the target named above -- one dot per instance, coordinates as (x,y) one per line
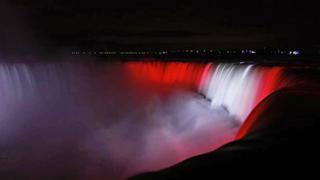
(239,88)
(233,87)
(110,121)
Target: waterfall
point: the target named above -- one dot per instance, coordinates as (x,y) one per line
(16,81)
(239,88)
(132,117)
(180,74)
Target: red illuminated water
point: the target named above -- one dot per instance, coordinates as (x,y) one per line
(181,74)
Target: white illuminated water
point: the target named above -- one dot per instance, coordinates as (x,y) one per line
(238,87)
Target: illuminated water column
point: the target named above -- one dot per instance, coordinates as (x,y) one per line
(16,81)
(239,88)
(186,75)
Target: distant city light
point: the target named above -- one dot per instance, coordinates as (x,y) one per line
(296,53)
(252,52)
(210,52)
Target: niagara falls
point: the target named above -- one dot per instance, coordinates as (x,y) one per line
(93,117)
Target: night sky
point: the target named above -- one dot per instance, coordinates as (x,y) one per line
(160,24)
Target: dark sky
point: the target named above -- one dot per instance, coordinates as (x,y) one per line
(147,24)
